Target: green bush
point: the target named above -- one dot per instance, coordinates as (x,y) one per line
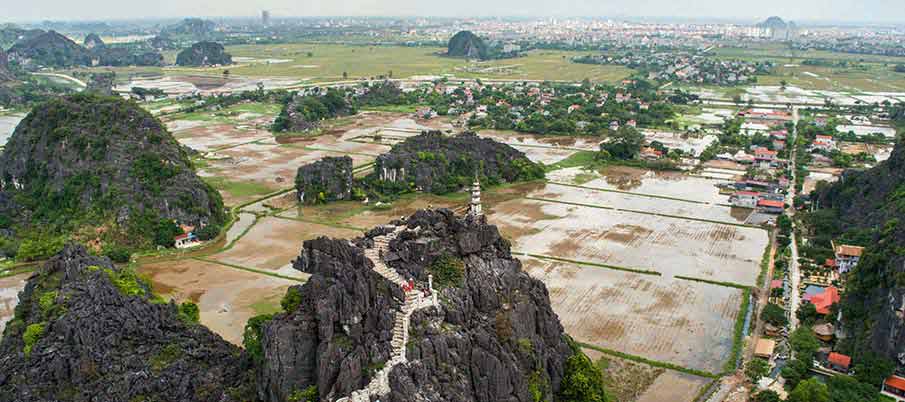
(208,232)
(307,395)
(582,381)
(251,337)
(126,281)
(117,253)
(47,300)
(31,336)
(292,300)
(774,314)
(40,248)
(448,271)
(165,357)
(189,313)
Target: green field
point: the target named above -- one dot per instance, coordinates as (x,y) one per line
(872,73)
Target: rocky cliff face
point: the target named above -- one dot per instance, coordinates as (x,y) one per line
(329,179)
(92,41)
(437,163)
(873,202)
(204,54)
(50,49)
(5,74)
(467,44)
(89,159)
(493,337)
(86,330)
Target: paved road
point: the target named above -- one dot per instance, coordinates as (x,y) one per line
(794,271)
(77,81)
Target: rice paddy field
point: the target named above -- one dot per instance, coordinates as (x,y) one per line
(10,287)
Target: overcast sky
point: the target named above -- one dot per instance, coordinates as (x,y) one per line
(800,10)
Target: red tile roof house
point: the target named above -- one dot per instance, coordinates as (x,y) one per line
(839,362)
(771,206)
(823,301)
(894,387)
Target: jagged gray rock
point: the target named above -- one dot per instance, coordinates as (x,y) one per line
(103,343)
(493,336)
(329,179)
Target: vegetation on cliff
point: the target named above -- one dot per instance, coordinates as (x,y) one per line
(467,44)
(102,170)
(204,54)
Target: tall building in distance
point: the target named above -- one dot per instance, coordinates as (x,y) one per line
(265,17)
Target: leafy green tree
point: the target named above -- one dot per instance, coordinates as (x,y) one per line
(809,390)
(804,343)
(309,394)
(292,300)
(807,314)
(208,232)
(873,369)
(189,313)
(774,314)
(795,371)
(252,337)
(582,381)
(847,389)
(766,396)
(757,369)
(624,144)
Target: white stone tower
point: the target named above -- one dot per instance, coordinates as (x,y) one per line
(475,208)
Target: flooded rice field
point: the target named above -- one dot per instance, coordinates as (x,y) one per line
(682,322)
(227,297)
(8,124)
(670,246)
(9,296)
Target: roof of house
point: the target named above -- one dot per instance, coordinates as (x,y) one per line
(824,329)
(822,301)
(776,283)
(840,359)
(748,193)
(764,347)
(895,382)
(830,262)
(181,237)
(771,204)
(845,249)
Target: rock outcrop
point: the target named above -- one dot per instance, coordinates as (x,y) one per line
(5,74)
(87,330)
(304,112)
(50,49)
(329,179)
(88,159)
(871,204)
(437,163)
(467,44)
(92,42)
(191,27)
(492,337)
(204,54)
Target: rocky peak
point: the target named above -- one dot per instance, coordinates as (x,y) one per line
(492,335)
(87,330)
(329,179)
(467,44)
(204,54)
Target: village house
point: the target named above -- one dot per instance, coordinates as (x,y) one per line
(824,143)
(846,256)
(614,125)
(839,362)
(632,123)
(648,153)
(187,238)
(771,206)
(745,199)
(764,348)
(824,332)
(824,300)
(894,387)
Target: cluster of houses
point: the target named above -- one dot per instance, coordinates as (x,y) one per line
(686,67)
(765,196)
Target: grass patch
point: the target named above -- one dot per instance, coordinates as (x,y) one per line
(586,159)
(238,188)
(712,282)
(738,337)
(269,305)
(30,337)
(167,356)
(652,363)
(592,264)
(393,108)
(765,261)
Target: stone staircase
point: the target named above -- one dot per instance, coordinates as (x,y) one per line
(414,300)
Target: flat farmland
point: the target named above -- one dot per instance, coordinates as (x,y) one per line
(272,243)
(690,324)
(9,296)
(610,198)
(666,184)
(674,386)
(670,246)
(227,297)
(207,138)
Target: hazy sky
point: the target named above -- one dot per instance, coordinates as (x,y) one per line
(801,10)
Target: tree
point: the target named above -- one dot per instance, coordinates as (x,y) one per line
(624,144)
(783,84)
(774,314)
(807,314)
(847,389)
(873,369)
(345,75)
(757,369)
(809,390)
(766,396)
(582,380)
(795,371)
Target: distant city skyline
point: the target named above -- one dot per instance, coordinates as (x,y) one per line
(867,11)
